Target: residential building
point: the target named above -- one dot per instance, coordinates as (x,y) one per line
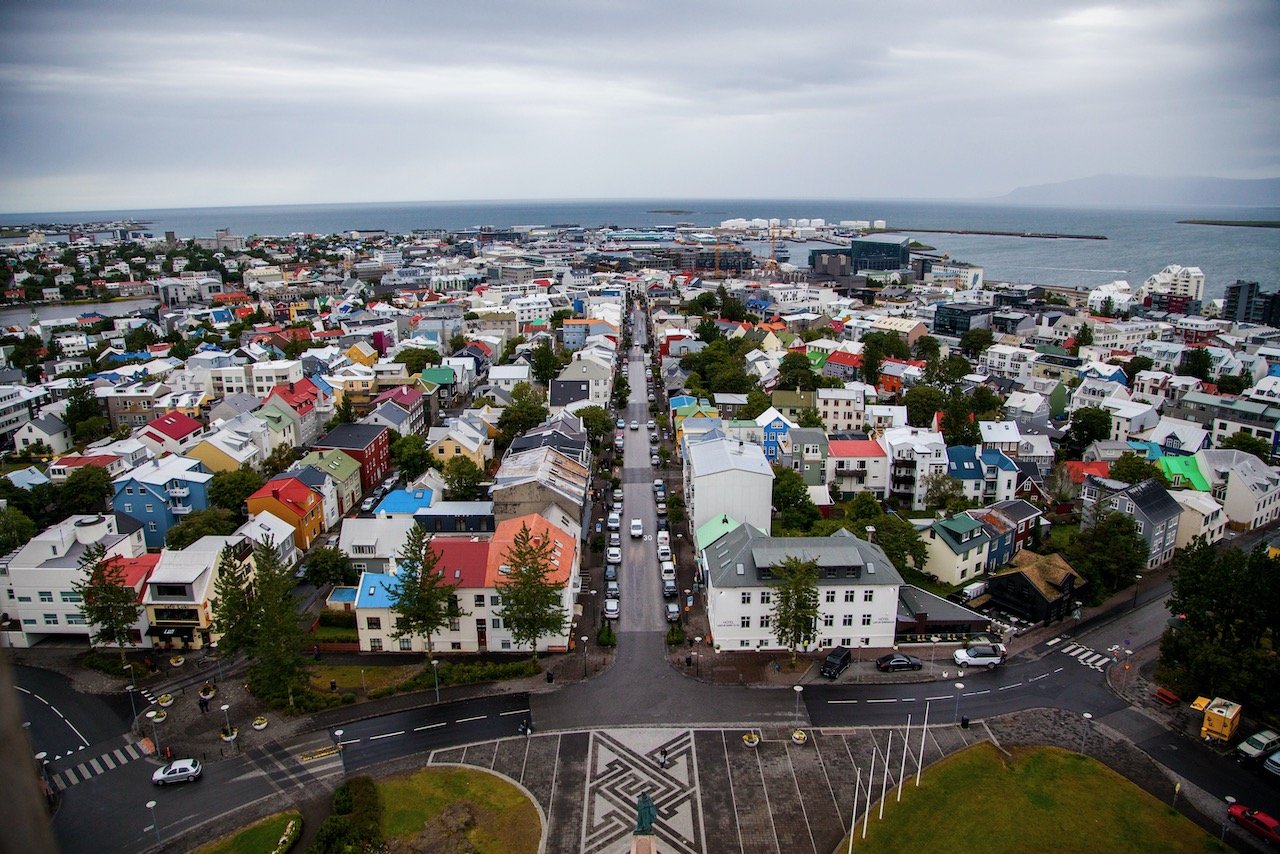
(161,493)
(374,543)
(47,430)
(985,475)
(62,468)
(727,478)
(1003,360)
(805,450)
(914,453)
(343,469)
(957,549)
(956,318)
(1248,489)
(180,592)
(1038,588)
(492,632)
(857,465)
(296,503)
(309,401)
(267,529)
(546,482)
(368,444)
(843,409)
(173,433)
(461,438)
(1148,504)
(1202,517)
(132,404)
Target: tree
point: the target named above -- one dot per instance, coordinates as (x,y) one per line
(944,491)
(327,565)
(1242,441)
(109,604)
(892,346)
(958,424)
(1108,553)
(1131,468)
(974,341)
(531,600)
(416,359)
(796,511)
(795,604)
(462,478)
(757,403)
(922,403)
(423,602)
(86,491)
(278,460)
(1060,486)
(345,413)
(1138,364)
(1089,424)
(796,372)
(233,612)
(411,455)
(809,417)
(928,348)
(559,316)
(1196,362)
(139,338)
(527,410)
(16,528)
(82,405)
(230,489)
(597,422)
(1083,338)
(704,304)
(457,342)
(277,667)
(1233,384)
(214,522)
(706,330)
(545,364)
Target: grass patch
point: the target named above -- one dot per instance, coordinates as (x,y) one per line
(1062,536)
(348,676)
(1044,799)
(505,820)
(334,634)
(258,838)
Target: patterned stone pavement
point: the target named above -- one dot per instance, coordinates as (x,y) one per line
(715,794)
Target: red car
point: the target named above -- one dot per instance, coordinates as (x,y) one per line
(1256,822)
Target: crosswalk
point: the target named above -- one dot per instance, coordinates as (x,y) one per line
(108,761)
(1086,656)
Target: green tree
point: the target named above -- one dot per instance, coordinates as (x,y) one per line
(706,330)
(928,348)
(1131,468)
(139,338)
(1083,338)
(230,489)
(1089,424)
(809,418)
(277,669)
(975,341)
(889,344)
(423,601)
(796,372)
(345,413)
(559,316)
(531,600)
(528,409)
(214,522)
(86,490)
(945,492)
(597,423)
(233,608)
(1108,553)
(82,405)
(328,565)
(416,359)
(109,605)
(1138,364)
(278,460)
(16,528)
(958,424)
(922,403)
(795,604)
(411,455)
(796,511)
(704,304)
(463,477)
(757,403)
(1233,384)
(1196,362)
(545,365)
(1242,441)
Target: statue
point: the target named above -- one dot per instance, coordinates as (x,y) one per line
(646,814)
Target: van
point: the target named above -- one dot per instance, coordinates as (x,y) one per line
(664,538)
(668,570)
(837,660)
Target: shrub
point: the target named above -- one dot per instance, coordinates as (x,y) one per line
(110,663)
(338,619)
(606,636)
(334,634)
(342,800)
(471,672)
(366,807)
(348,698)
(675,635)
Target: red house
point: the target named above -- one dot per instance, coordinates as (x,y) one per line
(367,444)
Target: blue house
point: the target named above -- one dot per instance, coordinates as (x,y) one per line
(987,475)
(773,427)
(161,493)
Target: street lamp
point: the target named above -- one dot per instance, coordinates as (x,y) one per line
(435,672)
(1137,580)
(799,689)
(227,717)
(959,688)
(1085,735)
(151,805)
(697,648)
(155,735)
(217,661)
(583,640)
(933,649)
(133,706)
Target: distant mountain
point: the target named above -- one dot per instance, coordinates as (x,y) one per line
(1144,191)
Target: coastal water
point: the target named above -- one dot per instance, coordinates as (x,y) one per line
(1139,241)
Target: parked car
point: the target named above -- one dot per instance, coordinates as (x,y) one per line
(612,609)
(836,662)
(653,460)
(663,524)
(617,495)
(637,528)
(618,443)
(621,424)
(635,425)
(368,504)
(661,508)
(669,589)
(1256,747)
(898,661)
(1272,765)
(651,425)
(664,553)
(613,554)
(1256,822)
(615,538)
(177,771)
(668,570)
(672,610)
(615,521)
(986,655)
(659,484)
(612,590)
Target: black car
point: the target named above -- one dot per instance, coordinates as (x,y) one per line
(611,572)
(898,661)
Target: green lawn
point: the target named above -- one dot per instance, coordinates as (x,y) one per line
(257,838)
(349,676)
(1044,799)
(505,819)
(1061,536)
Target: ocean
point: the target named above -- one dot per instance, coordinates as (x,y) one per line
(1139,241)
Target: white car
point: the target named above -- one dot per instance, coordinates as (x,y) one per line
(615,521)
(613,554)
(668,571)
(651,425)
(635,425)
(664,553)
(177,771)
(637,528)
(987,655)
(612,609)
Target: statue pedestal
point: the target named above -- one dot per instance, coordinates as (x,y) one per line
(644,845)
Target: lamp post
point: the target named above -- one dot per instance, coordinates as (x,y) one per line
(959,688)
(217,662)
(933,649)
(1088,716)
(1137,580)
(155,735)
(799,689)
(697,649)
(151,805)
(583,640)
(133,705)
(227,717)
(435,673)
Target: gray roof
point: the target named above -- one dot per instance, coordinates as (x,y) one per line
(913,601)
(353,436)
(841,558)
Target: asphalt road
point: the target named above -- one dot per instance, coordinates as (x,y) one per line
(62,719)
(638,579)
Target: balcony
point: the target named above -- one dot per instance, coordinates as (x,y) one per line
(180,509)
(178,491)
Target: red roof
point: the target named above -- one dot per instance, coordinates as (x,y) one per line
(137,569)
(300,396)
(854,448)
(849,360)
(291,492)
(1080,470)
(403,396)
(462,560)
(76,460)
(175,425)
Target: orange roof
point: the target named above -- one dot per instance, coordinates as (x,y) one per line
(295,495)
(137,569)
(855,448)
(1079,470)
(564,548)
(463,561)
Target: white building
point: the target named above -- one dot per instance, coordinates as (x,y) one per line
(727,478)
(1002,360)
(1248,488)
(844,409)
(914,453)
(1177,281)
(1202,516)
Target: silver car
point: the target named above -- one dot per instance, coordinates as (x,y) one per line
(612,609)
(177,771)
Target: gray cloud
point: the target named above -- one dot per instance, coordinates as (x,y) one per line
(128,105)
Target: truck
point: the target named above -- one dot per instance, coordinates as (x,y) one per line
(1221,718)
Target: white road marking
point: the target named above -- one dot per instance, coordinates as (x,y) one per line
(1034,678)
(350,741)
(974,693)
(476,718)
(428,726)
(840,702)
(889,700)
(514,712)
(1007,687)
(1059,670)
(385,735)
(943,697)
(1052,641)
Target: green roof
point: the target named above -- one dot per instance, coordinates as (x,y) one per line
(440,375)
(713,530)
(1187,469)
(817,359)
(334,463)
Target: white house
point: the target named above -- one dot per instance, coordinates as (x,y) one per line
(914,453)
(1248,488)
(723,477)
(373,543)
(47,430)
(1202,516)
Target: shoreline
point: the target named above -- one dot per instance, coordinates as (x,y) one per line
(1040,235)
(1233,223)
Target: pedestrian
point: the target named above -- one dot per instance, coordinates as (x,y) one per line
(662,758)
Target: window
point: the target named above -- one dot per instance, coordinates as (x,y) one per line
(360,566)
(828,620)
(766,597)
(51,619)
(70,597)
(746,598)
(455,645)
(375,644)
(1138,522)
(506,644)
(846,620)
(831,596)
(151,526)
(455,625)
(868,595)
(150,508)
(406,644)
(46,596)
(849,596)
(373,623)
(866,619)
(495,600)
(765,621)
(479,600)
(496,623)
(128,508)
(76,620)
(744,622)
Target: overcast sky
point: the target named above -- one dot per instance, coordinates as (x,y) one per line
(108,105)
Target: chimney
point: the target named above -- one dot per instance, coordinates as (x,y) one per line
(871,533)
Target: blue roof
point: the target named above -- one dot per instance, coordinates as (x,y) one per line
(1149,450)
(320,383)
(999,459)
(402,501)
(962,462)
(27,477)
(375,590)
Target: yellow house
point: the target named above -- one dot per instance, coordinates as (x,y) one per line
(362,354)
(225,450)
(462,440)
